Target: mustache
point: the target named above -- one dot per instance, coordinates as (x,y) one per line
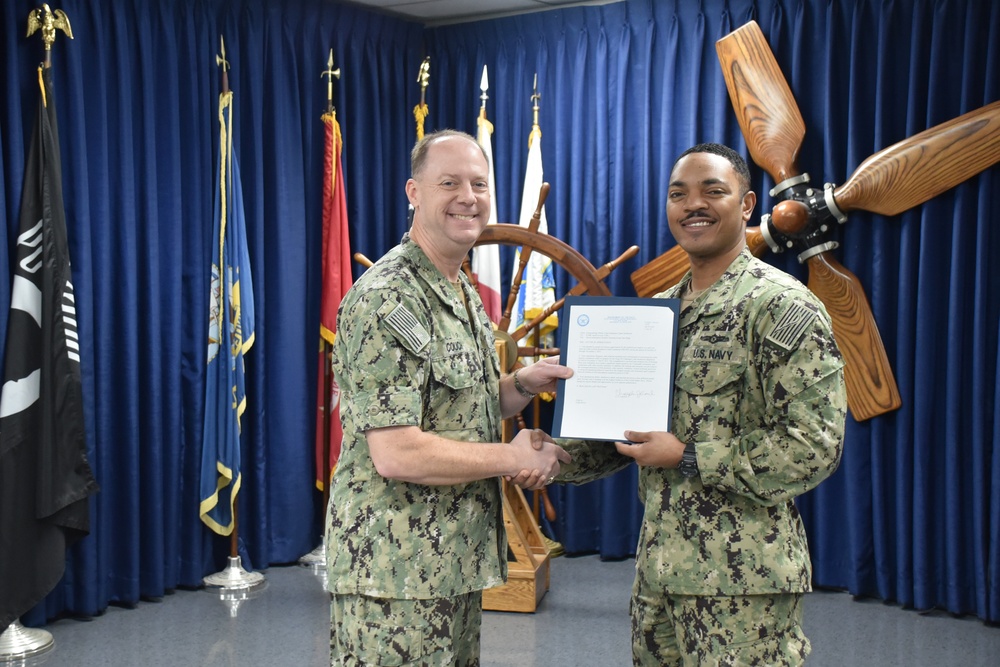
(697,214)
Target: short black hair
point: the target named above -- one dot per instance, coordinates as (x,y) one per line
(739,164)
(418,156)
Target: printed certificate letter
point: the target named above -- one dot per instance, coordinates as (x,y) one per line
(622,352)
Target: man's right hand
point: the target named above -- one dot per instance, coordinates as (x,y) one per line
(541,458)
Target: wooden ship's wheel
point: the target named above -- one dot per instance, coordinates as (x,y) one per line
(528,577)
(589,279)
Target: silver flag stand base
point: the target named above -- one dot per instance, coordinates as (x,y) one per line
(315,559)
(18,643)
(235,577)
(235,585)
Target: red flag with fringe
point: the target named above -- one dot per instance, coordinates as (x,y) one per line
(337,280)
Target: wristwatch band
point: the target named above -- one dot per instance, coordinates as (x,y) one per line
(689,461)
(520,387)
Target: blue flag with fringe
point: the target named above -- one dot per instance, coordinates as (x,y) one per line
(230,336)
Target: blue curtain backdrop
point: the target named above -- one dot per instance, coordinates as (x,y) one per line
(913,514)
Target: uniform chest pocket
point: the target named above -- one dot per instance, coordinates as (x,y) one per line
(708,399)
(709,378)
(456,370)
(454,395)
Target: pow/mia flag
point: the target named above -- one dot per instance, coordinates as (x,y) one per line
(45,479)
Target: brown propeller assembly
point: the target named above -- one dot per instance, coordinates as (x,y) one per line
(893,180)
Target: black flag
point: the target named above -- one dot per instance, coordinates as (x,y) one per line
(45,479)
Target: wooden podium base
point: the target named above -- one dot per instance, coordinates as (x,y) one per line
(528,573)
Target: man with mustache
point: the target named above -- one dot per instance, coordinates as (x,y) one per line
(758,418)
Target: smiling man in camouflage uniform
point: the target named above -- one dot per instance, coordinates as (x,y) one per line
(758,418)
(416,526)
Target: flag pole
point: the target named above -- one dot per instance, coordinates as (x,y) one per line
(540,497)
(234,582)
(329,73)
(18,642)
(471,269)
(316,559)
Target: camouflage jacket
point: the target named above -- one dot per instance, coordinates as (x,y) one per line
(407,354)
(759,390)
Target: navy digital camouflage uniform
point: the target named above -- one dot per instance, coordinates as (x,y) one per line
(759,390)
(407,354)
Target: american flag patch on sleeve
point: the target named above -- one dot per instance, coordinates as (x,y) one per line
(408,328)
(790,326)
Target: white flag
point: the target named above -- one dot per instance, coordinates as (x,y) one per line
(486,258)
(538,283)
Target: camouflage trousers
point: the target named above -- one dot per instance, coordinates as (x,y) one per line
(716,631)
(405,633)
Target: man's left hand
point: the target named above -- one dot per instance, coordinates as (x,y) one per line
(652,448)
(543,375)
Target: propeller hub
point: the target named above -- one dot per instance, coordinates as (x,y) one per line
(802,219)
(790,216)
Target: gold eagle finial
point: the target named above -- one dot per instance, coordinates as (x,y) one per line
(48,21)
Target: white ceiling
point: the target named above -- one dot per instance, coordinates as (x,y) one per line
(440,12)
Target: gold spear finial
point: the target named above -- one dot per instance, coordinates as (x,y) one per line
(330,73)
(535,97)
(48,21)
(220,59)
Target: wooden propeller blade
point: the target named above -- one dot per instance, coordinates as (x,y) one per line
(768,115)
(668,269)
(871,387)
(663,272)
(914,170)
